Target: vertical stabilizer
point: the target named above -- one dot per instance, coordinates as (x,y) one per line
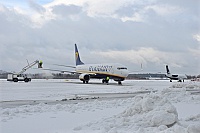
(77,57)
(167,68)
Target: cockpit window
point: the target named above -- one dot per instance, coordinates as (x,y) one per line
(120,68)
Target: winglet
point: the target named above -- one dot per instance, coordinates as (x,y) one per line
(77,57)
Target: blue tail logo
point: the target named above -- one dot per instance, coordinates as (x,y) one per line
(77,57)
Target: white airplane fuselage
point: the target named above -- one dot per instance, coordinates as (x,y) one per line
(115,71)
(179,77)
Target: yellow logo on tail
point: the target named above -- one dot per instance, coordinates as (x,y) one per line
(76,55)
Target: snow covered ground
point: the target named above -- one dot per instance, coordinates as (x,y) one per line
(68,106)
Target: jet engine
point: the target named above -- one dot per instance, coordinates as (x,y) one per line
(84,77)
(118,79)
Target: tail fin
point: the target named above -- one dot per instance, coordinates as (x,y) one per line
(77,57)
(167,68)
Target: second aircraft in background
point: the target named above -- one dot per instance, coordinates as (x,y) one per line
(179,77)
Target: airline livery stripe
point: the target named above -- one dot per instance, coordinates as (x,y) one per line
(89,72)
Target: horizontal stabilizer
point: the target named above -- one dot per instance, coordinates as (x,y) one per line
(64,66)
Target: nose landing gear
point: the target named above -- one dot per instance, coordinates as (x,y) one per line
(119,83)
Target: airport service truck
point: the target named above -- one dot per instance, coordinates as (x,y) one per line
(15,77)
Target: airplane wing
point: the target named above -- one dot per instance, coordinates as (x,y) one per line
(64,65)
(62,71)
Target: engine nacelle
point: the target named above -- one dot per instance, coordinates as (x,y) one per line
(118,79)
(84,77)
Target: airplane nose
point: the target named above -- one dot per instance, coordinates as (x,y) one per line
(126,73)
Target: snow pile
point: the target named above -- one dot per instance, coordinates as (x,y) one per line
(89,106)
(190,85)
(144,113)
(194,128)
(182,93)
(154,110)
(190,124)
(148,113)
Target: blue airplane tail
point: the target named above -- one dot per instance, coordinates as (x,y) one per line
(77,57)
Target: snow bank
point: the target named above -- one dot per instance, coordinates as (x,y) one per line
(190,85)
(194,128)
(182,92)
(89,106)
(147,113)
(153,113)
(154,110)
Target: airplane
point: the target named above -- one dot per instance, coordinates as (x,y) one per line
(179,77)
(115,71)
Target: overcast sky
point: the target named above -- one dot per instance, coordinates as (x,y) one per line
(130,32)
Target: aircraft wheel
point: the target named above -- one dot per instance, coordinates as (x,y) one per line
(15,80)
(119,83)
(26,80)
(170,80)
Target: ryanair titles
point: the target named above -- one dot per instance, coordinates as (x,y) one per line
(100,68)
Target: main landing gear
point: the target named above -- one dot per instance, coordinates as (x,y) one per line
(85,81)
(105,81)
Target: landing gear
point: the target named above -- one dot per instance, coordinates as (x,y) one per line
(119,83)
(105,81)
(84,81)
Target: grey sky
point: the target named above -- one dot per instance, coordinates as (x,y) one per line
(131,32)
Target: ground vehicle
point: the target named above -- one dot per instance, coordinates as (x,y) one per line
(15,77)
(18,77)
